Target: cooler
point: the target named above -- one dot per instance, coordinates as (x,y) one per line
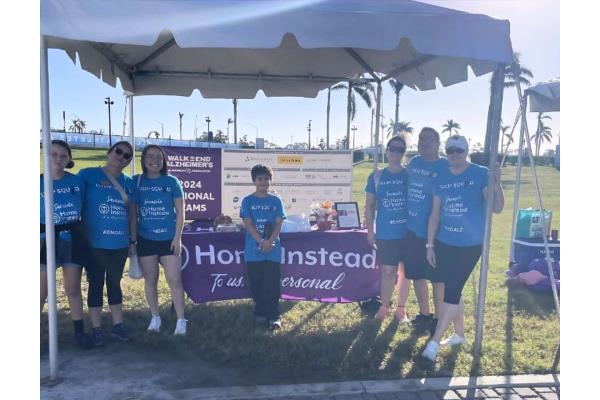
(526,250)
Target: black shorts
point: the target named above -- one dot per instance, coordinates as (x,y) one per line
(159,248)
(391,251)
(416,266)
(63,253)
(454,266)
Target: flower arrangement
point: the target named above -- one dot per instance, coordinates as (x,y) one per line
(324,211)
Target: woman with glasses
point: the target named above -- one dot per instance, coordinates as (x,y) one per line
(110,225)
(455,233)
(67,192)
(160,224)
(386,218)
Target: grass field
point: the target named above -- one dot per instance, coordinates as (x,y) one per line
(321,342)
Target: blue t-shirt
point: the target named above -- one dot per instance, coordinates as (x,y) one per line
(68,196)
(156,206)
(104,211)
(421,174)
(462,217)
(390,195)
(262,211)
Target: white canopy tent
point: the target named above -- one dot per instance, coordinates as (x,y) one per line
(545,96)
(233,48)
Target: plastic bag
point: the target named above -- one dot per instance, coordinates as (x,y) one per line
(135,269)
(529,223)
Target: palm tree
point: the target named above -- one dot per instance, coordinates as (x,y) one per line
(401,127)
(364,90)
(77,125)
(451,126)
(396,87)
(504,128)
(543,133)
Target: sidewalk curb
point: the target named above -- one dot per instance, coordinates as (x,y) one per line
(358,387)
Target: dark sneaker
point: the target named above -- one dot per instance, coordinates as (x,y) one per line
(98,337)
(83,340)
(421,322)
(274,325)
(119,332)
(432,326)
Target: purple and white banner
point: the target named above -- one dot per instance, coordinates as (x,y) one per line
(199,171)
(332,266)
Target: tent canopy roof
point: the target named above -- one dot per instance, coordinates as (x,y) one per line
(233,48)
(545,96)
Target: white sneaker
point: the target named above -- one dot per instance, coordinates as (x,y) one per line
(454,340)
(181,327)
(154,325)
(431,350)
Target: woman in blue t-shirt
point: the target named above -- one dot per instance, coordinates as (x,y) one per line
(110,224)
(455,233)
(387,191)
(68,193)
(161,215)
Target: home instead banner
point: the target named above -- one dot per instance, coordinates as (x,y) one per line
(332,266)
(199,171)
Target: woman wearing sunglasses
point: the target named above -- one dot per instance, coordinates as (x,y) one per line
(110,225)
(68,192)
(160,220)
(455,233)
(387,197)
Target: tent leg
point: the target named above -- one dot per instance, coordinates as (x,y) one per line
(523,102)
(49,214)
(496,99)
(131,132)
(377,118)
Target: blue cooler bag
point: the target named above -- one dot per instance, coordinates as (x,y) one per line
(529,249)
(529,224)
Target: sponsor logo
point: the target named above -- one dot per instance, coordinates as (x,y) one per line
(104,209)
(290,160)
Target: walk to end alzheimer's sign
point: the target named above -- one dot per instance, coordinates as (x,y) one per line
(325,266)
(199,171)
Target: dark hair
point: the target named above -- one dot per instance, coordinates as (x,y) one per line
(65,146)
(396,137)
(125,142)
(430,129)
(261,169)
(164,170)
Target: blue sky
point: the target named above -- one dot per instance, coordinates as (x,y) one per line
(534,32)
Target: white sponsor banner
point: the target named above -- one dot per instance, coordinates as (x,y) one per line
(300,177)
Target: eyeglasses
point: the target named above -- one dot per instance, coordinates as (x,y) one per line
(454,150)
(394,149)
(120,152)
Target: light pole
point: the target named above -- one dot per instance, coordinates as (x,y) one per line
(309,121)
(207,119)
(64,122)
(180,125)
(162,129)
(353,135)
(109,103)
(229,122)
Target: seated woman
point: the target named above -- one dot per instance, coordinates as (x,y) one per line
(457,224)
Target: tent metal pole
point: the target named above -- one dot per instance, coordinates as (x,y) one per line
(348,110)
(49,211)
(131,132)
(523,102)
(496,99)
(541,208)
(377,118)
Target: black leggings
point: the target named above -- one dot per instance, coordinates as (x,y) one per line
(454,265)
(105,264)
(264,277)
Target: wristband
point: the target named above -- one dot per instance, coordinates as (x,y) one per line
(429,246)
(133,242)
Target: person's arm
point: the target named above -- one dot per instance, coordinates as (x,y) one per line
(249,225)
(370,217)
(179,220)
(132,216)
(268,244)
(494,189)
(432,228)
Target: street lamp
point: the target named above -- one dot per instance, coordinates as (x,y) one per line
(109,103)
(309,121)
(229,122)
(207,119)
(162,129)
(353,135)
(180,125)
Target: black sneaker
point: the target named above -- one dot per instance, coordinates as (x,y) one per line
(83,340)
(119,332)
(274,325)
(422,322)
(98,339)
(432,326)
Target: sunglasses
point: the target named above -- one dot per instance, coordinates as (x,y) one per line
(394,149)
(125,155)
(454,150)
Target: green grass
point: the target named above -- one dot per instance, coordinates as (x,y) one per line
(321,342)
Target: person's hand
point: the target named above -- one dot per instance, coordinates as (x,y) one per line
(132,250)
(431,257)
(176,246)
(267,245)
(371,238)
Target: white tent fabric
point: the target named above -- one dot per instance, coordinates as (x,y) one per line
(233,48)
(545,96)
